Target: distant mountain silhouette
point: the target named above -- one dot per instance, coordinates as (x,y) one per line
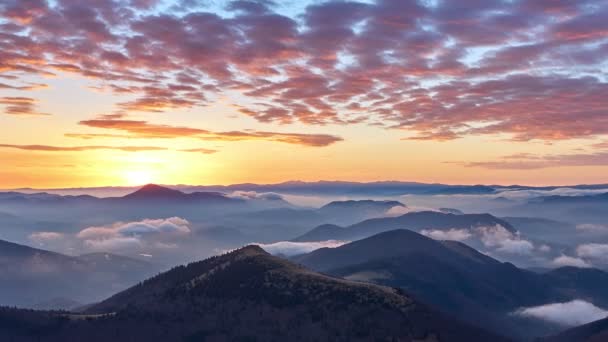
(365,205)
(592,332)
(31,276)
(458,279)
(247,295)
(153,192)
(584,199)
(413,221)
(544,229)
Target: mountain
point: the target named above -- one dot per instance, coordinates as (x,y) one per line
(545,229)
(464,190)
(457,279)
(592,332)
(33,277)
(332,188)
(341,188)
(246,295)
(586,282)
(583,199)
(153,192)
(578,209)
(413,221)
(337,207)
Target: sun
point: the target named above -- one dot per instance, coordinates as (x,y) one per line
(138,177)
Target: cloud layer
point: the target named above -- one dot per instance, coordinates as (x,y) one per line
(438,70)
(573,313)
(131,237)
(289,248)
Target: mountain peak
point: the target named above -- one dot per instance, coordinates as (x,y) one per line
(249,250)
(154,191)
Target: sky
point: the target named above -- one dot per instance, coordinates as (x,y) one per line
(128,92)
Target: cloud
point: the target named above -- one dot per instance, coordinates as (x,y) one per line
(249,195)
(573,313)
(565,260)
(48,148)
(290,248)
(200,150)
(402,210)
(450,234)
(520,69)
(592,228)
(51,240)
(144,129)
(114,244)
(25,106)
(45,236)
(528,162)
(503,240)
(595,251)
(527,194)
(147,226)
(129,237)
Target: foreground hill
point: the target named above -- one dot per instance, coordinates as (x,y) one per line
(31,276)
(413,221)
(458,279)
(246,295)
(593,332)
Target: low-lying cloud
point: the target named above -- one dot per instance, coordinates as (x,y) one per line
(251,195)
(501,239)
(289,248)
(597,252)
(573,313)
(130,236)
(402,210)
(450,234)
(592,228)
(565,260)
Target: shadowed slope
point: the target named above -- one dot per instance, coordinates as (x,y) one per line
(248,295)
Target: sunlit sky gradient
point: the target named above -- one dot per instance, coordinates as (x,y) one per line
(126,92)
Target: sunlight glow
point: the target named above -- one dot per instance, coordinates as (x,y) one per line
(139,177)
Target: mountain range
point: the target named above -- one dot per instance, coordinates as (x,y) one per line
(245,295)
(413,221)
(33,277)
(458,280)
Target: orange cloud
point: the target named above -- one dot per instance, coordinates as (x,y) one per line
(48,148)
(144,129)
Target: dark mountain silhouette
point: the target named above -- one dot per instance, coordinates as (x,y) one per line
(464,190)
(382,188)
(413,221)
(458,279)
(153,192)
(246,295)
(31,276)
(362,205)
(584,199)
(592,332)
(285,223)
(583,208)
(544,229)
